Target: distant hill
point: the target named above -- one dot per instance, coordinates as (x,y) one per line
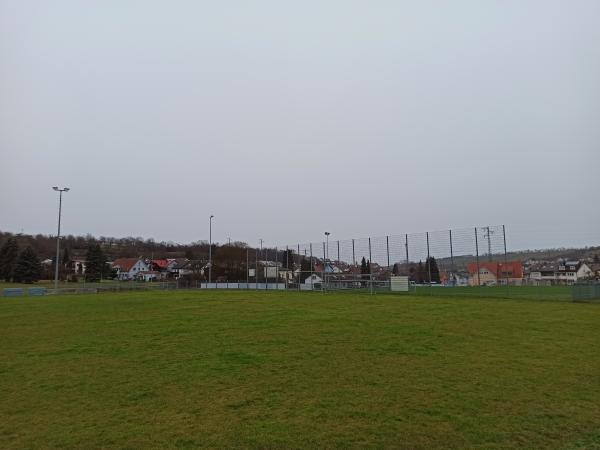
(553,254)
(587,253)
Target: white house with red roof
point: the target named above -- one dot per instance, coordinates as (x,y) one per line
(129,268)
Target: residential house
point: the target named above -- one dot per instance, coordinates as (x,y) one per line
(129,268)
(541,275)
(596,270)
(174,266)
(313,280)
(565,273)
(331,268)
(190,267)
(78,264)
(286,275)
(149,275)
(453,279)
(164,267)
(570,271)
(493,273)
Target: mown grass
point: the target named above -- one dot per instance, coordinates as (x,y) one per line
(554,293)
(62,284)
(297,370)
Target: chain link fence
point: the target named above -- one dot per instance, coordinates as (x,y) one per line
(466,262)
(463,257)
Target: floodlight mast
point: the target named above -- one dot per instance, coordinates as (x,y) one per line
(210,248)
(57,262)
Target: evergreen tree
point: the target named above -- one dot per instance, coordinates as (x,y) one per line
(420,275)
(8,258)
(363,266)
(66,263)
(95,266)
(304,269)
(27,268)
(431,269)
(395,269)
(288,259)
(435,271)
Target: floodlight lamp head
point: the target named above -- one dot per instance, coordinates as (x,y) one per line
(66,189)
(55,188)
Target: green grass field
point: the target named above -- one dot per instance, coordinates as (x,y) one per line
(49,284)
(297,370)
(553,293)
(545,293)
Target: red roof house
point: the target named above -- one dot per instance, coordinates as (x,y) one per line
(495,273)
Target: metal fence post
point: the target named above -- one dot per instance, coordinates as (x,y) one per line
(299,268)
(311,267)
(247,268)
(428,263)
(505,260)
(277,268)
(477,253)
(338,258)
(353,255)
(370,268)
(266,269)
(256,269)
(287,266)
(387,245)
(406,246)
(488,235)
(324,281)
(451,253)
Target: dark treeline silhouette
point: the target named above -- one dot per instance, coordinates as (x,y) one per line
(229,260)
(45,246)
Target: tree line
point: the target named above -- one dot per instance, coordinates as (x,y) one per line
(20,266)
(420,273)
(229,261)
(45,245)
(24,266)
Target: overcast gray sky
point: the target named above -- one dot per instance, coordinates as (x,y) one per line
(286,119)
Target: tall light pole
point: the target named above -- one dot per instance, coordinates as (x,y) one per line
(210,249)
(327,233)
(57,263)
